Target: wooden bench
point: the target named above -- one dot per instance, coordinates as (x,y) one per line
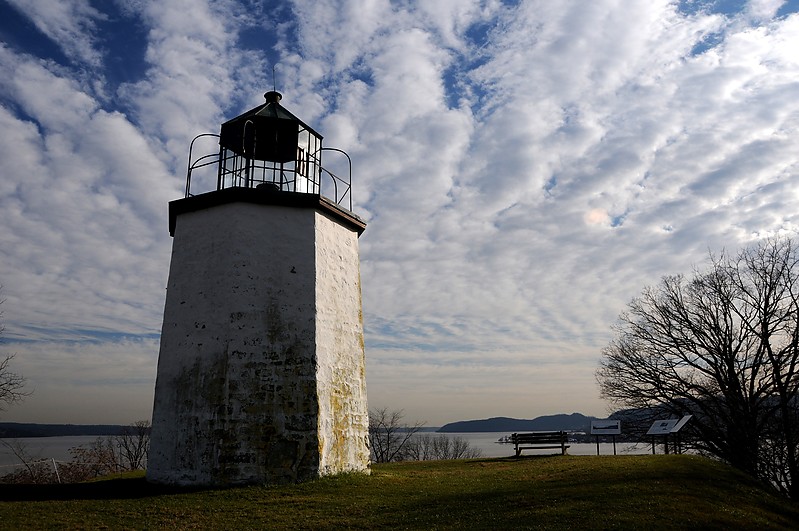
(540,439)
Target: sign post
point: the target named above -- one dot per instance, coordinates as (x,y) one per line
(662,428)
(605,427)
(665,428)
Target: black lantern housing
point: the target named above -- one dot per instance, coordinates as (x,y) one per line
(270,147)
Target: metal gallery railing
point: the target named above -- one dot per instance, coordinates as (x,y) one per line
(226,169)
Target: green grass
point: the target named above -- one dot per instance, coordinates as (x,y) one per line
(558,492)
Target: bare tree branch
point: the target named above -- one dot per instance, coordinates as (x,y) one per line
(388,436)
(134,445)
(12,384)
(723,346)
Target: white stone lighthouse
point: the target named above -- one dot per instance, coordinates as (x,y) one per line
(261,369)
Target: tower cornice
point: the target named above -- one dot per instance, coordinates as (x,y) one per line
(264,197)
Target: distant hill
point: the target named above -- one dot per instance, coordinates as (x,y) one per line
(573,422)
(16,429)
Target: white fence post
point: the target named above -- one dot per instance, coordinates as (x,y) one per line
(55,467)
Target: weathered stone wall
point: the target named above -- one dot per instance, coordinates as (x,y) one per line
(256,349)
(340,376)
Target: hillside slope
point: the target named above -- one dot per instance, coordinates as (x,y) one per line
(552,492)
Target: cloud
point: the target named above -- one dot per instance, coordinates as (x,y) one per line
(79,205)
(598,116)
(106,390)
(194,69)
(525,169)
(71,24)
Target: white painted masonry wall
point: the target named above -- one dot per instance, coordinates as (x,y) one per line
(261,369)
(341,377)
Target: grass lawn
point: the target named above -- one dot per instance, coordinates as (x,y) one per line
(548,492)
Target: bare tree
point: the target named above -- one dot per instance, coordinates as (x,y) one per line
(388,436)
(103,456)
(420,448)
(724,347)
(91,460)
(430,447)
(108,455)
(134,445)
(12,384)
(460,449)
(392,440)
(36,469)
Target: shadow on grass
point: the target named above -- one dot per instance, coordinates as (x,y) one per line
(138,487)
(112,489)
(514,459)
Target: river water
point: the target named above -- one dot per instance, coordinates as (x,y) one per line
(58,447)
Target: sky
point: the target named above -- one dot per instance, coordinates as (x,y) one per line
(525,168)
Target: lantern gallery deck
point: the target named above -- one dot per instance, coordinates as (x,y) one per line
(540,440)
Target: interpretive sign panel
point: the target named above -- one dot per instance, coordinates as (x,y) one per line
(605,427)
(662,427)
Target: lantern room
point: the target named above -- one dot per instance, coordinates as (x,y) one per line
(270,149)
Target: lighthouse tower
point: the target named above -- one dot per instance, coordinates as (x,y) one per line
(261,367)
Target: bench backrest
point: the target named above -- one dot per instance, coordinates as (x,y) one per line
(539,437)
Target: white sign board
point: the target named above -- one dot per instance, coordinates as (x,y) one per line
(683,421)
(605,427)
(662,427)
